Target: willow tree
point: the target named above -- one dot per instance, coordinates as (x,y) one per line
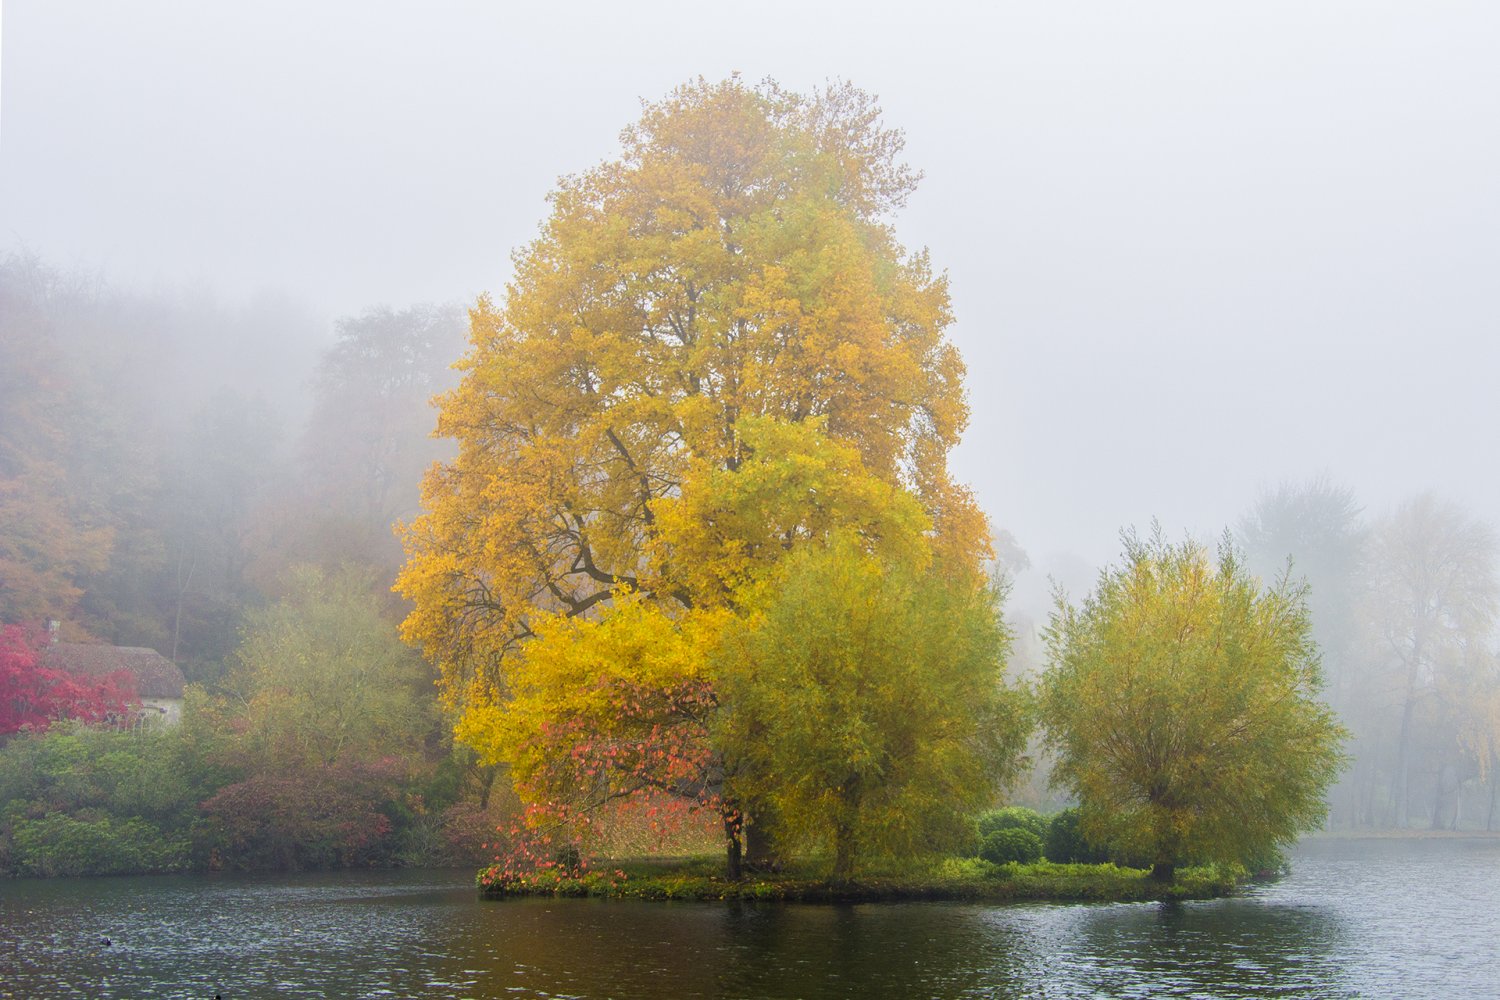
(864,703)
(715,352)
(1182,702)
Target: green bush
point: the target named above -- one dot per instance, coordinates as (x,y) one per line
(77,800)
(1013,818)
(59,844)
(1065,843)
(964,870)
(1011,844)
(96,801)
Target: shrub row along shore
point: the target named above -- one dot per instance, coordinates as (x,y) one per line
(951,879)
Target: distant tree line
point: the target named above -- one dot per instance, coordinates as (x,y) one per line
(1404,612)
(193,478)
(156,482)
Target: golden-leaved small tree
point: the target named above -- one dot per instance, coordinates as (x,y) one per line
(1182,703)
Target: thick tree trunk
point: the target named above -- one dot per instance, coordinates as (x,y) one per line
(486,785)
(734,849)
(1164,871)
(846,830)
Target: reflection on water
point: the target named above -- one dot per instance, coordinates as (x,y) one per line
(1373,919)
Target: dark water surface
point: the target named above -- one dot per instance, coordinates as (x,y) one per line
(1388,918)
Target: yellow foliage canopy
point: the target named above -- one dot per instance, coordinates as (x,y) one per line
(714,352)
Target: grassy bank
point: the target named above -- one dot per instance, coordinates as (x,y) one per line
(950,879)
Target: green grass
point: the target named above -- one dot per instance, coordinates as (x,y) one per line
(946,879)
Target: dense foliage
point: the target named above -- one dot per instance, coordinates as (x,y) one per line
(864,706)
(1011,845)
(1013,817)
(79,801)
(1181,701)
(1066,844)
(320,752)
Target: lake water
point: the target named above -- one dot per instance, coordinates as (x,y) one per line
(1381,918)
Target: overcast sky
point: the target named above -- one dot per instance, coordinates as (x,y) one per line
(1196,248)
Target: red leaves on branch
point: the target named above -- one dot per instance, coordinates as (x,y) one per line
(657,752)
(34,696)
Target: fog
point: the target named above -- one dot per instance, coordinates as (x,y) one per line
(1215,266)
(1195,250)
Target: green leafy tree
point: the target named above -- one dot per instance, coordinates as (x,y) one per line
(322,674)
(331,717)
(1182,703)
(866,708)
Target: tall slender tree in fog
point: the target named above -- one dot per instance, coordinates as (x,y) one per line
(1404,613)
(1317,530)
(1431,612)
(218,475)
(1479,727)
(1318,527)
(369,438)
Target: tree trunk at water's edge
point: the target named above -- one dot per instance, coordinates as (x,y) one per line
(734,849)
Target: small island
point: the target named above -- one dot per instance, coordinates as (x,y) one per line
(1006,863)
(952,879)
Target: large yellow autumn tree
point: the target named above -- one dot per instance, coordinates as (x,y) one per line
(716,352)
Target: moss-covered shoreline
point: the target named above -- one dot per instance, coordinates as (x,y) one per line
(961,881)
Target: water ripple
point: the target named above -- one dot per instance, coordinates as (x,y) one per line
(1383,919)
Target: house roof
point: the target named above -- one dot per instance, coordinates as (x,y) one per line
(155,675)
